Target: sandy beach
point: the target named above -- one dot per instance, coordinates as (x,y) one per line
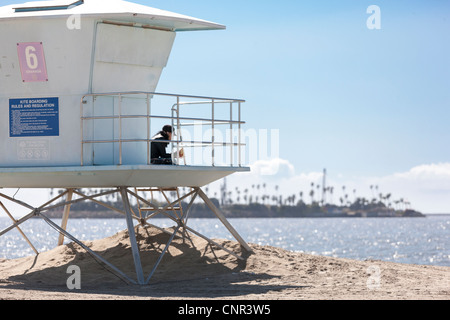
(192,269)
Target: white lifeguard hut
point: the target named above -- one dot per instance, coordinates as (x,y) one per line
(77,95)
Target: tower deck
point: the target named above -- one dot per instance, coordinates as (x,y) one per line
(110,175)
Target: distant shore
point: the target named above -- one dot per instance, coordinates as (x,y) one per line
(252,211)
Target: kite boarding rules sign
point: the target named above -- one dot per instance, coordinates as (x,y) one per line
(34,117)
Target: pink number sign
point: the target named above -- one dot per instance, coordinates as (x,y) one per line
(32,61)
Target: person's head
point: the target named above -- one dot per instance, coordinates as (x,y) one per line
(167,129)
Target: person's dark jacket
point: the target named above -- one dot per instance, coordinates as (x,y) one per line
(158,149)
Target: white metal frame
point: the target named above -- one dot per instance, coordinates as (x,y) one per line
(180,229)
(177,122)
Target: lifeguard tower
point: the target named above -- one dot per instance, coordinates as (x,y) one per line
(77,95)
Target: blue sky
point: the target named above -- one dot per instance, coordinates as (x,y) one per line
(346,97)
(370,106)
(367,105)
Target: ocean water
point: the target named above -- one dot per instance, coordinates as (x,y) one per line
(424,241)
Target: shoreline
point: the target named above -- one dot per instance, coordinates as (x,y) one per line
(83,216)
(198,271)
(232,213)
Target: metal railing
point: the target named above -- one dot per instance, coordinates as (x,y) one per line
(143,105)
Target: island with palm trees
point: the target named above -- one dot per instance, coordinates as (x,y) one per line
(316,202)
(258,200)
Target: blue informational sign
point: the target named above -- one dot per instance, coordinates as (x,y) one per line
(34,117)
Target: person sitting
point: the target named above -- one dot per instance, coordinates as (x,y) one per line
(158,148)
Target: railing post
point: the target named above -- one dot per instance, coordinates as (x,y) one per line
(239,132)
(231,133)
(179,132)
(212,133)
(120,130)
(82,130)
(148,130)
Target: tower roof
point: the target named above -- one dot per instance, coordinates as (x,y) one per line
(117,10)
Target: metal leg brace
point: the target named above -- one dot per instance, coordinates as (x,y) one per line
(129,216)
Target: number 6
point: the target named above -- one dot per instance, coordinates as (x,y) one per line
(31,57)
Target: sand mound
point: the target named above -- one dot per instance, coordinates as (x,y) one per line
(192,268)
(185,259)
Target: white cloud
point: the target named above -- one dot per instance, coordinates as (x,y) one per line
(426,186)
(274,167)
(431,177)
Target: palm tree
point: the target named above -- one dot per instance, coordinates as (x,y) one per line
(266,197)
(311,194)
(402,201)
(396,206)
(388,196)
(274,200)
